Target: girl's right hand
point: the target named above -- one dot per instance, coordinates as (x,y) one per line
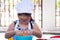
(18,32)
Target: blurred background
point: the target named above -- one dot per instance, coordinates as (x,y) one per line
(46,13)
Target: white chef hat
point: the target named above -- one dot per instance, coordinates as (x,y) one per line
(25,6)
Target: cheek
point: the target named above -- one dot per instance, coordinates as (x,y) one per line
(28,19)
(19,18)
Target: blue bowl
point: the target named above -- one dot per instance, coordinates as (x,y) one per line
(23,37)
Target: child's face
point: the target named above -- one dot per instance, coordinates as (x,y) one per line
(24,18)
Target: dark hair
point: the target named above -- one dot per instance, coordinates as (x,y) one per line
(31,19)
(27,14)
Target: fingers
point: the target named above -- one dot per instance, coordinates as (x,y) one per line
(18,32)
(23,33)
(29,32)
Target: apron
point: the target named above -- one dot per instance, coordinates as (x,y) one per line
(27,37)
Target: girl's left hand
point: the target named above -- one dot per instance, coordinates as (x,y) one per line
(29,32)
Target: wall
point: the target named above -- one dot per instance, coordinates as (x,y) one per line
(48,14)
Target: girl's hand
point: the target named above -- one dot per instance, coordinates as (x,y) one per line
(18,32)
(29,32)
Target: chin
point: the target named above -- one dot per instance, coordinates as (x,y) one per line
(26,22)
